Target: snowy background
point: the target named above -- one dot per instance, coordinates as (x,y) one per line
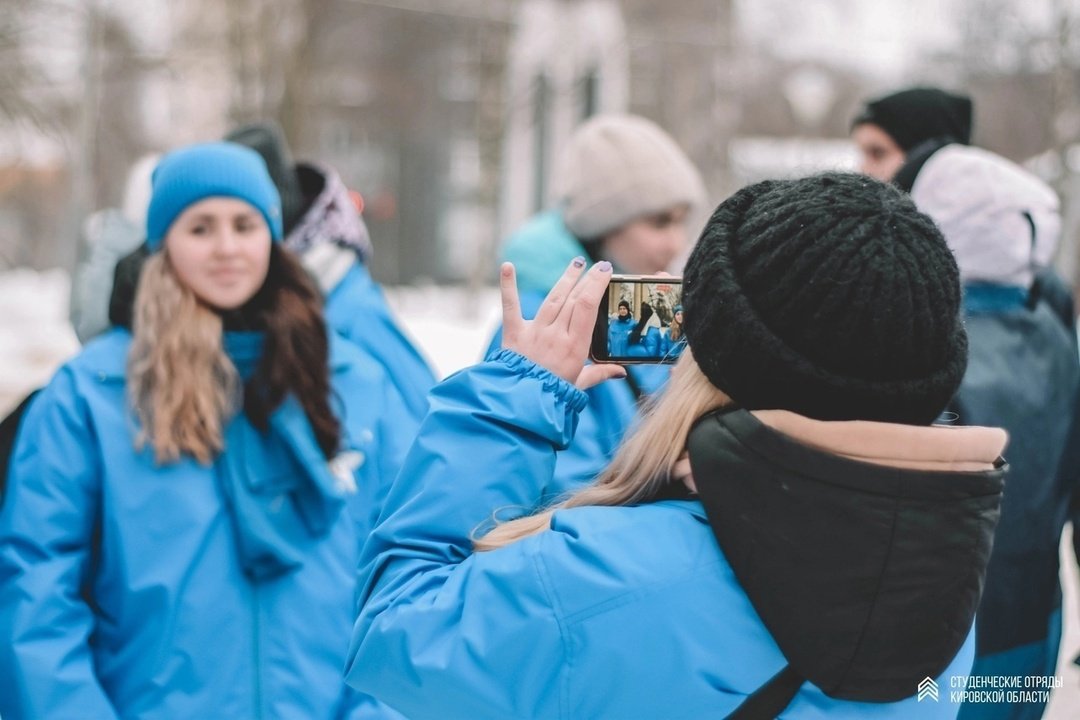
(452,326)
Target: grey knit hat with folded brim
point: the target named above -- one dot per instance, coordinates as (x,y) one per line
(619,168)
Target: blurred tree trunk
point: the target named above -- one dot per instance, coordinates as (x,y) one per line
(299,75)
(20,76)
(1064,118)
(491,50)
(270,59)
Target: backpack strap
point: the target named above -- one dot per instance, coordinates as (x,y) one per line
(769,700)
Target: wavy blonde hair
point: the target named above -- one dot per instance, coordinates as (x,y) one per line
(183,387)
(676,331)
(644,462)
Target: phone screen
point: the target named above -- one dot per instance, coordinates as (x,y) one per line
(639,321)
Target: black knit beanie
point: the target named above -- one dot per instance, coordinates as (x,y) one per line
(911,117)
(830,296)
(267,139)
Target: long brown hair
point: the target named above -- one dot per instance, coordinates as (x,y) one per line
(184,388)
(644,462)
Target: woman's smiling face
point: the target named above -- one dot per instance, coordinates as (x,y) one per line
(220,249)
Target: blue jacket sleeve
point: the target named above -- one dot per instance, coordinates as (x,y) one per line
(610,409)
(445,632)
(648,346)
(394,434)
(397,428)
(652,342)
(46,527)
(358,310)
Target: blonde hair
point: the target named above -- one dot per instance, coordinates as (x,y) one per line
(644,462)
(676,331)
(182,385)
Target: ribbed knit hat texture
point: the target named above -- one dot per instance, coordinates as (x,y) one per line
(619,168)
(196,172)
(830,296)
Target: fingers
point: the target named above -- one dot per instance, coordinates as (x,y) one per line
(556,299)
(584,301)
(511,305)
(595,374)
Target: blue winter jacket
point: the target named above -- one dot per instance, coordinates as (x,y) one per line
(122,592)
(615,612)
(672,349)
(648,346)
(357,310)
(619,335)
(541,251)
(1024,375)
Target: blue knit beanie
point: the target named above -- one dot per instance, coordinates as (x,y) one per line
(219,169)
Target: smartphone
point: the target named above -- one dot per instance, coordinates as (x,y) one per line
(639,321)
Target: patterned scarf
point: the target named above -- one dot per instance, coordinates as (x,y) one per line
(331,218)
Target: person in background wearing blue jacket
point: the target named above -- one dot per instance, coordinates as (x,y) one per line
(674,340)
(325,230)
(624,192)
(1003,225)
(322,226)
(783,534)
(619,329)
(187,500)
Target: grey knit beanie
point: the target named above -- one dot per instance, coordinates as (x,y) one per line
(618,168)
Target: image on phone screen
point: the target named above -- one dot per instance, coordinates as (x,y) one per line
(640,320)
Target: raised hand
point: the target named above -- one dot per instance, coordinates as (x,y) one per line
(558,338)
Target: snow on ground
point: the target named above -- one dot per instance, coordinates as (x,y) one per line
(452,326)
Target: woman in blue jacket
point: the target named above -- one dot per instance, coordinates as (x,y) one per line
(784,534)
(624,193)
(187,500)
(323,227)
(325,230)
(674,340)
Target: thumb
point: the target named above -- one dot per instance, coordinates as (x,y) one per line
(595,374)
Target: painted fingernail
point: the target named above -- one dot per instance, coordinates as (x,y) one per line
(604,266)
(579,262)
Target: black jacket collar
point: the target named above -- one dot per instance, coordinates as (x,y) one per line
(866,576)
